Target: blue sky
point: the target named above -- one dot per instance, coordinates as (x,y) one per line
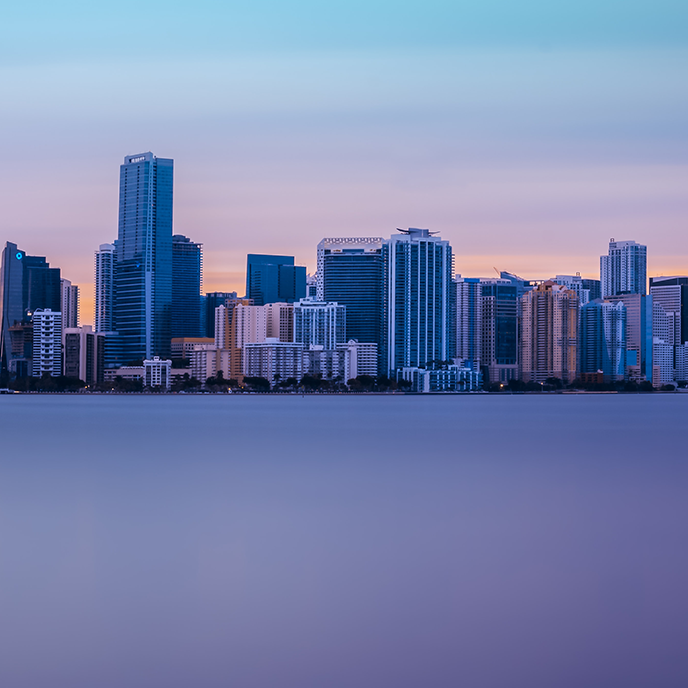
(526,134)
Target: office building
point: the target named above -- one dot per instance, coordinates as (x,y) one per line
(624,269)
(351,273)
(69,304)
(143,274)
(187,280)
(671,294)
(549,333)
(157,372)
(209,303)
(27,284)
(499,330)
(441,378)
(469,321)
(273,360)
(311,287)
(587,289)
(639,338)
(419,300)
(361,358)
(272,279)
(84,354)
(182,347)
(603,340)
(105,258)
(279,321)
(47,343)
(319,322)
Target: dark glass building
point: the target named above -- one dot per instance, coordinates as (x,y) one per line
(143,279)
(187,277)
(210,302)
(274,279)
(499,312)
(27,283)
(351,271)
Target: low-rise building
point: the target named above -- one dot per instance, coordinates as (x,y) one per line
(444,378)
(157,372)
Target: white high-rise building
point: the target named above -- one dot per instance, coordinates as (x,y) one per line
(624,269)
(157,372)
(360,359)
(320,323)
(47,342)
(69,304)
(104,276)
(469,320)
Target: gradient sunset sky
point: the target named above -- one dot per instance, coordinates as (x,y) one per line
(527,134)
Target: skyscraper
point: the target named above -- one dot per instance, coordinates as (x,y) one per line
(273,279)
(603,339)
(319,323)
(69,304)
(187,279)
(143,275)
(469,320)
(419,300)
(351,273)
(587,289)
(639,367)
(671,293)
(499,348)
(105,259)
(27,283)
(209,303)
(624,269)
(549,334)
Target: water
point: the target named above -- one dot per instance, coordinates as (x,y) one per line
(257,542)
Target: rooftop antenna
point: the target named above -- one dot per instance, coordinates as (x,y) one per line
(499,274)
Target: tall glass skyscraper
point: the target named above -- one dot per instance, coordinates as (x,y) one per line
(499,311)
(624,269)
(27,283)
(603,339)
(419,302)
(351,273)
(143,278)
(187,279)
(105,259)
(274,279)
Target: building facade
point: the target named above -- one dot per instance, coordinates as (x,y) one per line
(143,275)
(624,269)
(500,331)
(27,284)
(273,360)
(157,372)
(469,320)
(549,334)
(320,323)
(273,279)
(603,340)
(47,343)
(279,321)
(69,304)
(351,273)
(105,258)
(187,281)
(361,358)
(419,300)
(84,354)
(639,338)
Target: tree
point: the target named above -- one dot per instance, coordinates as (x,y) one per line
(258,384)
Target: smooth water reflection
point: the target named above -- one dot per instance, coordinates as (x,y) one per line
(256,542)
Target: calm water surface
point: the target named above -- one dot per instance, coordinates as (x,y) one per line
(327,542)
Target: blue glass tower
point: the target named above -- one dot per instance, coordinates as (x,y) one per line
(274,279)
(143,279)
(27,283)
(187,275)
(420,300)
(351,272)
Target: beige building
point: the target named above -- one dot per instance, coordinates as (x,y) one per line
(549,333)
(279,321)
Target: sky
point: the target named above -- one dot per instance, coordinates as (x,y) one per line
(528,134)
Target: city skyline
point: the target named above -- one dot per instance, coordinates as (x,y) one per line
(525,138)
